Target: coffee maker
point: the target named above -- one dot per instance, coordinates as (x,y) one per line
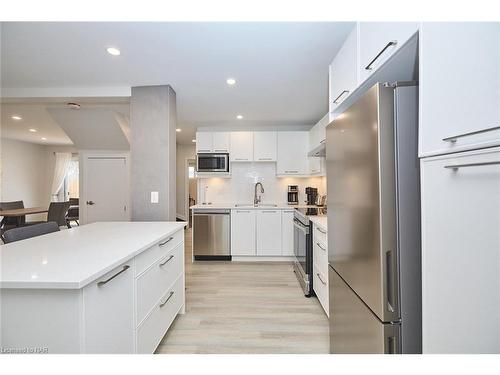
(293,194)
(311,195)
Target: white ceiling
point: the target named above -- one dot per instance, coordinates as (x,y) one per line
(281,68)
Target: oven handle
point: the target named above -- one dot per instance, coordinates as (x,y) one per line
(301,226)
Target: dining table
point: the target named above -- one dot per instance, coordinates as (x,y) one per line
(18,213)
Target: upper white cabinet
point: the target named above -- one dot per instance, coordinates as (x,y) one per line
(204,142)
(343,71)
(221,142)
(459,86)
(317,134)
(292,153)
(264,146)
(378,41)
(460,252)
(268,229)
(241,146)
(207,142)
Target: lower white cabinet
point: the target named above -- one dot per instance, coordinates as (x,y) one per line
(242,232)
(320,267)
(287,232)
(461,252)
(268,232)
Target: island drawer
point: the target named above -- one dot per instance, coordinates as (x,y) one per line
(154,327)
(320,255)
(153,283)
(319,234)
(320,286)
(157,251)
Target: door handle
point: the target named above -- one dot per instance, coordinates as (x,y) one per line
(90,203)
(101,283)
(335,101)
(391,43)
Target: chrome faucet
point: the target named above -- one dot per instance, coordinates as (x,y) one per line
(256,200)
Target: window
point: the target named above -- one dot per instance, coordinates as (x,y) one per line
(72,181)
(191,172)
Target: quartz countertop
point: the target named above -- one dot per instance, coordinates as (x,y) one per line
(320,221)
(73,258)
(266,206)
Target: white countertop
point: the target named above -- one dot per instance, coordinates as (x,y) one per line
(320,221)
(232,206)
(73,258)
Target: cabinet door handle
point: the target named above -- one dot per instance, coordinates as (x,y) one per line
(320,246)
(457,166)
(338,97)
(221,150)
(168,298)
(320,279)
(324,140)
(291,171)
(454,138)
(268,211)
(166,242)
(320,230)
(101,283)
(240,159)
(391,43)
(165,262)
(239,211)
(204,150)
(265,159)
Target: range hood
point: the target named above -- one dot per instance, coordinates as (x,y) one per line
(319,151)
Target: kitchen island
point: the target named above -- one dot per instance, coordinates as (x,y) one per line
(112,287)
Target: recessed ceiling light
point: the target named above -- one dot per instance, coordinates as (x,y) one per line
(113,51)
(239,117)
(193,140)
(230,81)
(43,139)
(33,130)
(16,117)
(178,130)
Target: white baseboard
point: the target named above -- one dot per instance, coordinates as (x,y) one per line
(261,259)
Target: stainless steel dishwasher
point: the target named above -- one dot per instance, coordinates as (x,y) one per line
(212,234)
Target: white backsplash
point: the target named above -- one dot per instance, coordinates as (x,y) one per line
(239,188)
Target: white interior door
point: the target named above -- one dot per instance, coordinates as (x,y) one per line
(106,193)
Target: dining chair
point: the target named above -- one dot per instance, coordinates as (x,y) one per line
(57,212)
(73,212)
(22,233)
(11,222)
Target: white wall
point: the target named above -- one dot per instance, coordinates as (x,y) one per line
(183,152)
(240,187)
(24,173)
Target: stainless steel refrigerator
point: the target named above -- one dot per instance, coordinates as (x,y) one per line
(374,223)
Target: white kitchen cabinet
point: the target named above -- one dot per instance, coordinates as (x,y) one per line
(204,142)
(241,146)
(378,41)
(459,86)
(242,232)
(344,71)
(287,233)
(208,142)
(292,153)
(268,229)
(109,312)
(461,252)
(317,134)
(221,142)
(264,146)
(317,166)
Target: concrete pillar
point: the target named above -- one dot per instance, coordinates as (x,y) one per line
(153,120)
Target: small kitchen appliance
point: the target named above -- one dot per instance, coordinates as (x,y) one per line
(311,195)
(293,194)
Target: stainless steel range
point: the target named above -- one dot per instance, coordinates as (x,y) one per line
(302,246)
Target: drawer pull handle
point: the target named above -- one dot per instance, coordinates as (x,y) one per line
(320,246)
(167,241)
(320,279)
(457,166)
(168,298)
(265,158)
(101,283)
(165,262)
(454,138)
(335,101)
(291,171)
(221,150)
(391,43)
(320,230)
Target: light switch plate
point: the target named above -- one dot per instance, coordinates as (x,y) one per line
(154,197)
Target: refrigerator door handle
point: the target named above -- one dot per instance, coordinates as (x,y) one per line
(389,282)
(392,345)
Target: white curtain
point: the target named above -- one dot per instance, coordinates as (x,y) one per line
(63,160)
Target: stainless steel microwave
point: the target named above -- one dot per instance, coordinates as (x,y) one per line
(218,163)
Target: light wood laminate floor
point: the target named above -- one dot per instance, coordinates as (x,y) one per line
(240,307)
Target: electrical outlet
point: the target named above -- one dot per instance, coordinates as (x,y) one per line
(154,197)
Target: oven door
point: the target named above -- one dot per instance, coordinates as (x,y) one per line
(303,256)
(212,162)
